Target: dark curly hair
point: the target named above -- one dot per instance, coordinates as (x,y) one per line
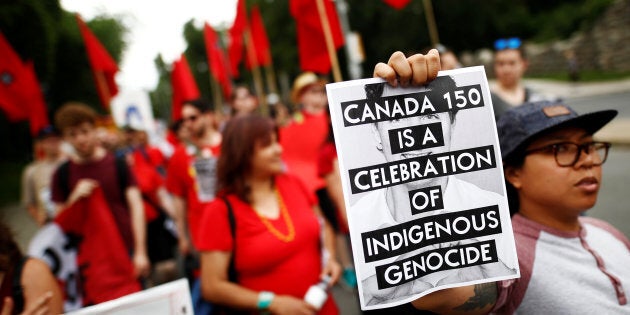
(10,253)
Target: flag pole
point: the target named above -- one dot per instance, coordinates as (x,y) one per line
(428,12)
(253,61)
(215,89)
(271,75)
(330,45)
(103,89)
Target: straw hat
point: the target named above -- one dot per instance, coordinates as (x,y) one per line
(303,81)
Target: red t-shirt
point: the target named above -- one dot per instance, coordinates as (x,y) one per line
(262,261)
(301,142)
(149,181)
(182,181)
(326,158)
(105,173)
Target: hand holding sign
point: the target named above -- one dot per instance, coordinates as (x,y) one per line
(425,196)
(415,70)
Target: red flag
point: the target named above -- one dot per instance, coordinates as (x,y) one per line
(12,87)
(106,271)
(184,86)
(259,37)
(310,34)
(397,4)
(20,93)
(36,103)
(216,59)
(235,47)
(104,67)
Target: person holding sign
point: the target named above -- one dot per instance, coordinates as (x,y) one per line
(423,208)
(569,263)
(278,244)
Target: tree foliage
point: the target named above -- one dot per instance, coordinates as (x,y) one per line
(42,32)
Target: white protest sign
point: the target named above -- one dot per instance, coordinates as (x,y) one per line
(133,108)
(51,245)
(423,186)
(171,298)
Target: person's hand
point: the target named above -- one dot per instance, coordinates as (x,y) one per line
(285,304)
(183,244)
(40,307)
(332,269)
(414,70)
(141,265)
(83,189)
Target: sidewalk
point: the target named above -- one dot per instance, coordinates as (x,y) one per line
(568,90)
(617,131)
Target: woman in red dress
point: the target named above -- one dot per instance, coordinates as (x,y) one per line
(282,244)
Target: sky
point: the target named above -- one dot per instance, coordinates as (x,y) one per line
(154,27)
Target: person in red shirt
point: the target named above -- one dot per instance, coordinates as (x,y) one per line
(303,138)
(191,172)
(90,167)
(279,232)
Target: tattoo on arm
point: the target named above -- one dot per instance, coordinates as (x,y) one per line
(485,294)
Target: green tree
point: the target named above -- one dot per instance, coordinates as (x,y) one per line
(42,32)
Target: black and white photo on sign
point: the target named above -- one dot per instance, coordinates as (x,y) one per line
(423,185)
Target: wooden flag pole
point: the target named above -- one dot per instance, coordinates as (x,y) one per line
(103,89)
(271,75)
(217,94)
(330,45)
(253,61)
(428,12)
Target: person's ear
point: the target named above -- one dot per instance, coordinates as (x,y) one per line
(513,176)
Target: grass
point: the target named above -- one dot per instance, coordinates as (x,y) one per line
(10,173)
(585,76)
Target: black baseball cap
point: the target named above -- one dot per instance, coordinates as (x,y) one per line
(48,131)
(518,126)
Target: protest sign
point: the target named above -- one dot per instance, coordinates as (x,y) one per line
(423,186)
(171,298)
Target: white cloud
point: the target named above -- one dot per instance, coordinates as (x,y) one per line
(155,27)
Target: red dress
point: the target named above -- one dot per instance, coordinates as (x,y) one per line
(181,181)
(262,261)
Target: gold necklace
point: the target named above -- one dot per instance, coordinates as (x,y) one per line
(287,221)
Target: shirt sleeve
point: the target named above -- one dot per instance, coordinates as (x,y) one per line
(215,233)
(175,175)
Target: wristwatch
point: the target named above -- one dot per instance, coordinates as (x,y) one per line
(264,301)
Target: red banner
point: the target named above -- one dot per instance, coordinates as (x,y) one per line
(104,67)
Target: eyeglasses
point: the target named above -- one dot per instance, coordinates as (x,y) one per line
(190,118)
(568,153)
(507,43)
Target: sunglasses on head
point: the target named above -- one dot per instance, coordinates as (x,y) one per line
(507,43)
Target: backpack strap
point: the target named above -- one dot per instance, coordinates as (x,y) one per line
(64,179)
(232,275)
(18,292)
(122,172)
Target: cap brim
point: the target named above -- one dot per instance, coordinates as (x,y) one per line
(591,122)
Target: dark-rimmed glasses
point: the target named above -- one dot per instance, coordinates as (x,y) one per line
(568,153)
(507,43)
(191,118)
